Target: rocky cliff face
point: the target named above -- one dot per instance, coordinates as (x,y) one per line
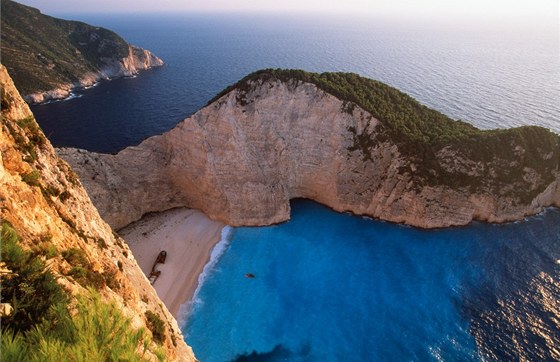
(244,156)
(42,198)
(137,59)
(49,57)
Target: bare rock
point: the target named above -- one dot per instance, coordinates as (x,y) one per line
(243,157)
(42,198)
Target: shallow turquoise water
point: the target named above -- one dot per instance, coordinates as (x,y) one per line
(336,287)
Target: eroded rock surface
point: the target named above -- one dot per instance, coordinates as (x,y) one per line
(43,200)
(244,156)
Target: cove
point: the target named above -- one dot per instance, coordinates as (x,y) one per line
(329,287)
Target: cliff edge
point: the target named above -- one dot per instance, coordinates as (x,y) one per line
(63,269)
(49,57)
(348,142)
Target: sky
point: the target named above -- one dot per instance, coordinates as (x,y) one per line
(538,9)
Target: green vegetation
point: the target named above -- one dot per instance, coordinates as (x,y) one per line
(50,191)
(41,52)
(420,133)
(35,136)
(28,136)
(32,178)
(97,332)
(41,328)
(29,287)
(82,270)
(45,247)
(156,326)
(101,243)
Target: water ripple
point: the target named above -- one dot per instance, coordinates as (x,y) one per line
(495,80)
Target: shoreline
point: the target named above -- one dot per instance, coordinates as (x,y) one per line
(189,237)
(69,93)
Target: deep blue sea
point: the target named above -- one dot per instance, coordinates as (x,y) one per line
(336,287)
(485,74)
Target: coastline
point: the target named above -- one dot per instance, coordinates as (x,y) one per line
(188,236)
(71,91)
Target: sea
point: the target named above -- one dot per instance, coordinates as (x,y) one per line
(327,286)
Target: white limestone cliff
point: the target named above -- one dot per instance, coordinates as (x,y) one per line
(242,158)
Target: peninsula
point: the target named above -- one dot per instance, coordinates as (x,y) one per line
(348,142)
(48,57)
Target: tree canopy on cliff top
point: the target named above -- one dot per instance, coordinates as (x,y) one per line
(407,118)
(420,132)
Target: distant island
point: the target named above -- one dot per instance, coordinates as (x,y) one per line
(348,142)
(49,57)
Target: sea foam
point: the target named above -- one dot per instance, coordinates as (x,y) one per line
(217,251)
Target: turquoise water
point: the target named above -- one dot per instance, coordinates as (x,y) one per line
(331,287)
(337,287)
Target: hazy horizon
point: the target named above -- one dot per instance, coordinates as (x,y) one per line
(542,10)
(522,17)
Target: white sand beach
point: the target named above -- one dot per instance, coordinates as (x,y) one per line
(187,236)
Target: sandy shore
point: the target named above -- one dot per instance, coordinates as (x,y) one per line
(188,236)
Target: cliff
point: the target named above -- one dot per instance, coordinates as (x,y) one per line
(345,141)
(49,57)
(62,264)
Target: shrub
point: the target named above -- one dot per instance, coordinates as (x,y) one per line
(32,131)
(30,288)
(51,191)
(64,195)
(101,243)
(75,256)
(31,178)
(46,248)
(156,326)
(97,332)
(82,270)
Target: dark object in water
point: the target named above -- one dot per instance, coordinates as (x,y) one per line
(249,275)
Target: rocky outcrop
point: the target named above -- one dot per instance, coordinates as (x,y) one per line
(64,55)
(138,59)
(43,200)
(242,158)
